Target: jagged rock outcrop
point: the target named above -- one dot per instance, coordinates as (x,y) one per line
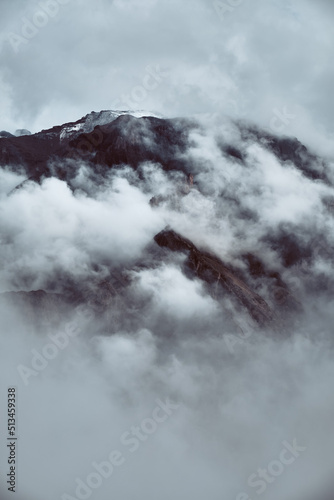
(211,269)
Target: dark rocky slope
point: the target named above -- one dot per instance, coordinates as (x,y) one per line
(106,140)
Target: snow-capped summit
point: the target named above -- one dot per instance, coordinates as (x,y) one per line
(87,123)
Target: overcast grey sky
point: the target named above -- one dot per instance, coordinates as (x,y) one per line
(247,59)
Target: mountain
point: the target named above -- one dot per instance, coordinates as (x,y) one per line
(110,138)
(106,138)
(5,134)
(107,141)
(182,261)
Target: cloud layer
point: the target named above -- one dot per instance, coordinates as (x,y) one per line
(240,393)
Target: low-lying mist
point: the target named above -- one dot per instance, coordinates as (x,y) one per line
(195,399)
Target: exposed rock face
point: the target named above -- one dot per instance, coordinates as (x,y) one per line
(121,140)
(5,134)
(42,308)
(283,299)
(212,270)
(110,138)
(289,149)
(129,140)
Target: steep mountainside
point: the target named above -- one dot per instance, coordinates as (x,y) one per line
(107,142)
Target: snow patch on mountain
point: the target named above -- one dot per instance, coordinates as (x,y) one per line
(87,124)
